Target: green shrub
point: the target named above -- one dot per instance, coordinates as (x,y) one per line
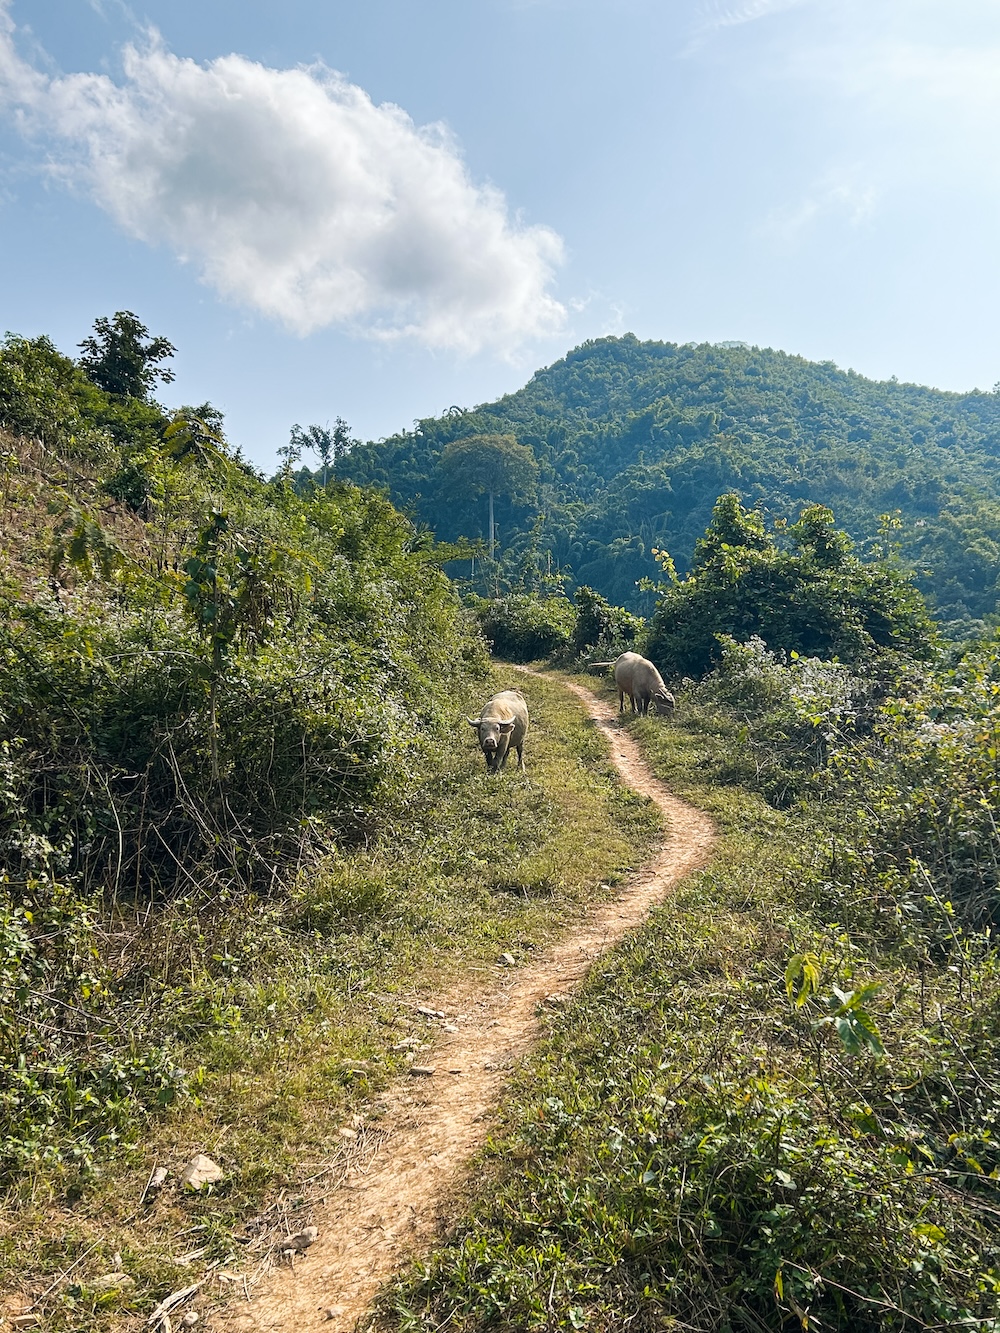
(522,628)
(926,788)
(67,1095)
(45,395)
(602,628)
(817,599)
(782,715)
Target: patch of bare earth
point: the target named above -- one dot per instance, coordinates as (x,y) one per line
(405,1170)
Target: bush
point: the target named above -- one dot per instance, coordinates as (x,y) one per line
(522,628)
(212,701)
(926,787)
(602,628)
(783,715)
(44,395)
(816,600)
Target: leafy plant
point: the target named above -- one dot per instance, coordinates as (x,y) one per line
(816,600)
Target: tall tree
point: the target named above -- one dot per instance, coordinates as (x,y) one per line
(122,357)
(328,445)
(489,465)
(816,599)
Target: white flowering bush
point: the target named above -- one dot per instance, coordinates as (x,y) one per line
(787,710)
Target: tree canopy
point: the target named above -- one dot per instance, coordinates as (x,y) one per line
(489,465)
(123,358)
(816,599)
(635,441)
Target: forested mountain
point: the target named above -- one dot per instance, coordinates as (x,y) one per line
(635,441)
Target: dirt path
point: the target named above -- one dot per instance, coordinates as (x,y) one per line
(405,1170)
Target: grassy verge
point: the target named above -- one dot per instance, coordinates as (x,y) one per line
(291,1022)
(690,1149)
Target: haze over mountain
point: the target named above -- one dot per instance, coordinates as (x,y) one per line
(636,440)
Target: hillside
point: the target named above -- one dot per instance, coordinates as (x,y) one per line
(635,441)
(260,899)
(244,828)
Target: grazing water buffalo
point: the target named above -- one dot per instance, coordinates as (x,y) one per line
(636,677)
(501,726)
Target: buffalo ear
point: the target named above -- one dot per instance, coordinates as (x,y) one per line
(472,721)
(507,726)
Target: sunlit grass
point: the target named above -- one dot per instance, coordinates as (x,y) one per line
(296,1035)
(689,1150)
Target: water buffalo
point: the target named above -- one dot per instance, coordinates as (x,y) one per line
(501,725)
(636,677)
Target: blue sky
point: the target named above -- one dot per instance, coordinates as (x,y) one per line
(379,210)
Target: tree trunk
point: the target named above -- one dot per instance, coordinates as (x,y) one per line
(492,526)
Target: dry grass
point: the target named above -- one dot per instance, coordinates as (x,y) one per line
(298,1040)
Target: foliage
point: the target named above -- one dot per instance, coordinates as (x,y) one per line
(782,716)
(635,441)
(45,395)
(774,1107)
(522,628)
(489,465)
(296,656)
(601,627)
(926,789)
(123,359)
(328,445)
(199,699)
(815,600)
(73,1081)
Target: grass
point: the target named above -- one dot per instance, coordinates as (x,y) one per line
(289,1025)
(689,1150)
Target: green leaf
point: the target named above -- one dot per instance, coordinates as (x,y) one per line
(928,1231)
(801,977)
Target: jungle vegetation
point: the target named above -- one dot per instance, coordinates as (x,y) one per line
(242,835)
(634,442)
(243,827)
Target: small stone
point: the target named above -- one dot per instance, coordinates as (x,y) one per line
(333,1312)
(407,1044)
(423,1071)
(157,1180)
(191,1318)
(507,960)
(25,1321)
(429,1013)
(300,1241)
(111,1282)
(201,1171)
(449,1027)
(346,1133)
(556,1000)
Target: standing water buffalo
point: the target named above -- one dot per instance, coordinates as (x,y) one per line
(500,726)
(636,677)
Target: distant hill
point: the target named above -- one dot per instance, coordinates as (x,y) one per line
(635,441)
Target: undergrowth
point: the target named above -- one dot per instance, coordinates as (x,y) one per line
(773,1107)
(283,1011)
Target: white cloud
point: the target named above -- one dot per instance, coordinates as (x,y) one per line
(714,14)
(848,200)
(295,195)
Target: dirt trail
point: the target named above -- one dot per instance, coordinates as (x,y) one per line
(405,1170)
